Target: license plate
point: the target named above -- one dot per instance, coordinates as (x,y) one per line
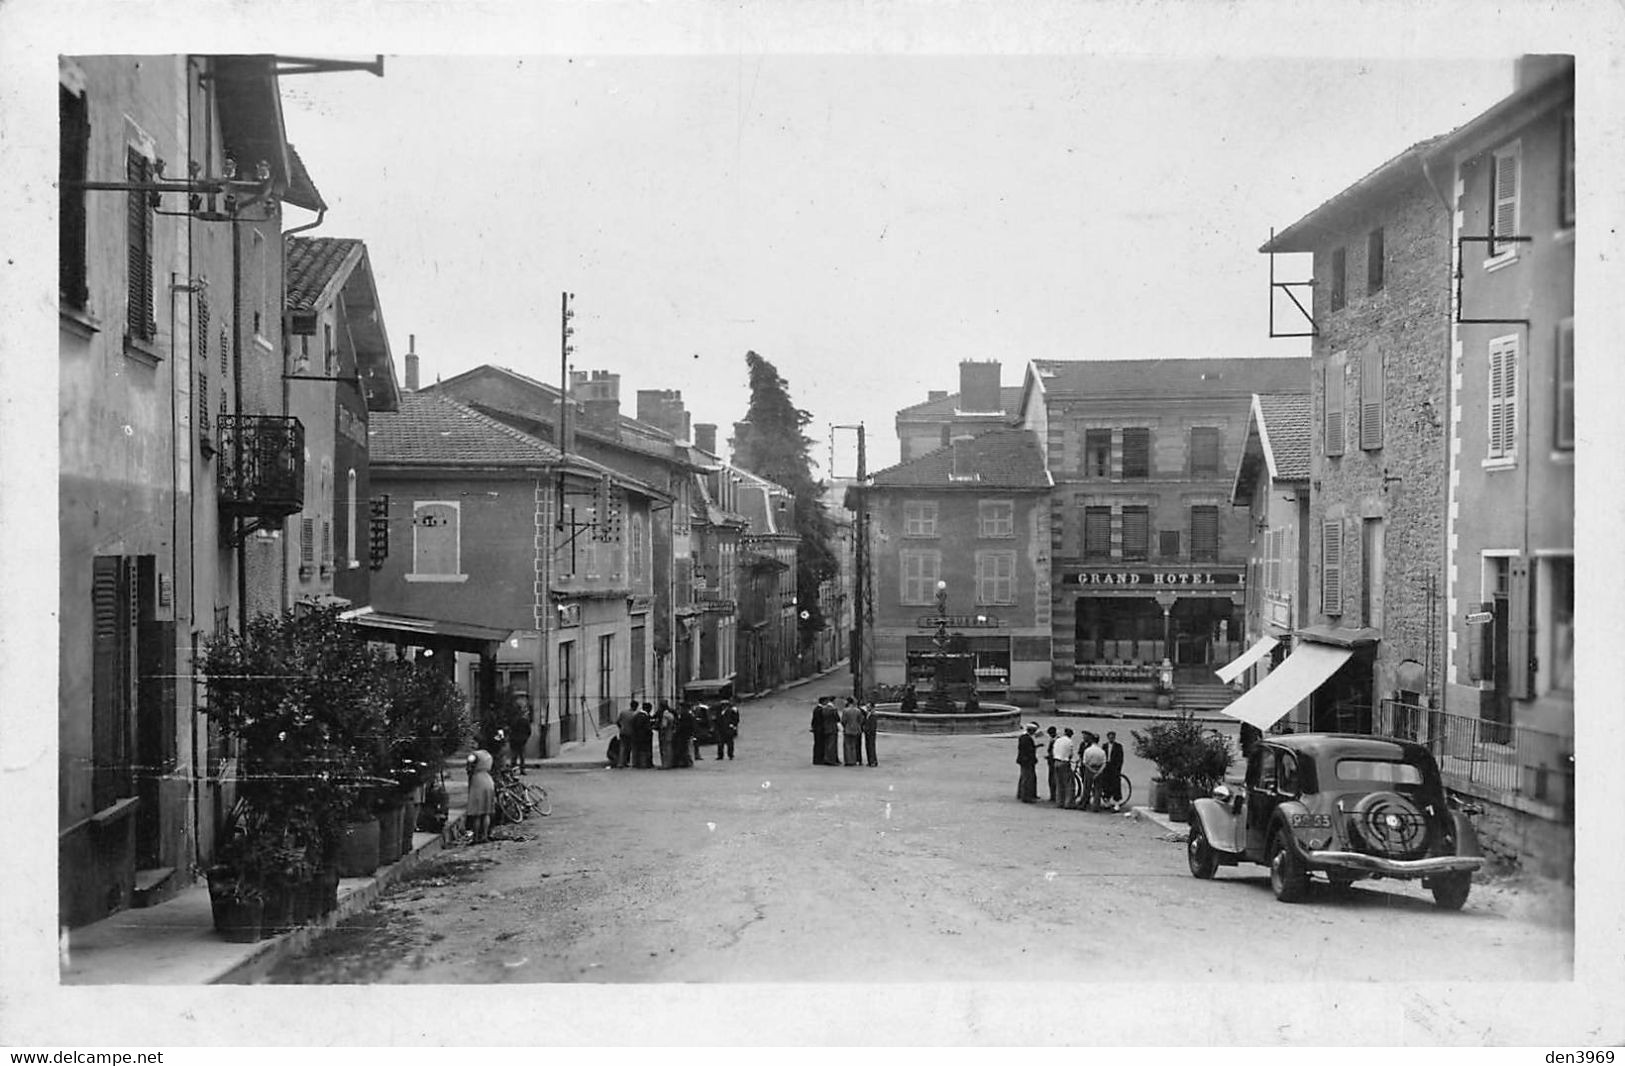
(1311,821)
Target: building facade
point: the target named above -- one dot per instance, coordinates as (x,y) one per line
(1148,557)
(973,520)
(981,403)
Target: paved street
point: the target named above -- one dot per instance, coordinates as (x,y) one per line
(768,868)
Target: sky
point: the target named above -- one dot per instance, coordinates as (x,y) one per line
(863,222)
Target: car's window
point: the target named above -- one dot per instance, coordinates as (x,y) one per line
(1261,774)
(1378,771)
(1289,774)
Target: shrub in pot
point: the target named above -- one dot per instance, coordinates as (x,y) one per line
(1189,758)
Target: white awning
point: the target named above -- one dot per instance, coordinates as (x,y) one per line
(1232,669)
(1284,687)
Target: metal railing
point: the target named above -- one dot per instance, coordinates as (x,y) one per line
(1505,758)
(261,466)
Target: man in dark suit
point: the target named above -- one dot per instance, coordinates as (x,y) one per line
(643,738)
(1110,790)
(1049,759)
(818,731)
(624,723)
(851,733)
(1027,759)
(727,728)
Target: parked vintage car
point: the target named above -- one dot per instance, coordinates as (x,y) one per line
(706,698)
(1342,806)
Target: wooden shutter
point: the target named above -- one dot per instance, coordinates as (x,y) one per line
(74,154)
(1503,405)
(1371,390)
(1481,644)
(1204,534)
(111,697)
(1332,379)
(1136,453)
(1504,221)
(1136,532)
(1564,435)
(139,318)
(307,541)
(1097,532)
(1331,567)
(1520,629)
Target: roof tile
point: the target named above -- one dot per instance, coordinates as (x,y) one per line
(999,458)
(431,430)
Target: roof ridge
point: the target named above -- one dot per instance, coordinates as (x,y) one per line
(546,449)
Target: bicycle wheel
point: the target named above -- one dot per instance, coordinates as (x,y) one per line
(1125,789)
(536,799)
(512,807)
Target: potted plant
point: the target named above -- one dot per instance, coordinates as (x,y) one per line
(1189,759)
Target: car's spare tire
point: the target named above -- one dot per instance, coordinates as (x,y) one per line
(1389,825)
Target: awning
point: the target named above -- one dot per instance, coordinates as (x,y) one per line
(426,632)
(709,684)
(1284,687)
(1232,669)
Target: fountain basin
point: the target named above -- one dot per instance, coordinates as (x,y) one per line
(990,718)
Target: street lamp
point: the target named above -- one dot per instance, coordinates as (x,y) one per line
(938,700)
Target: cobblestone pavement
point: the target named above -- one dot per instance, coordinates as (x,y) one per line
(926,868)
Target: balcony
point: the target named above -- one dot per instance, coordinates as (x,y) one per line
(261,466)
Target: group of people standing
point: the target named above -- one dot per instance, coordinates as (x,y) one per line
(642,730)
(1084,771)
(844,733)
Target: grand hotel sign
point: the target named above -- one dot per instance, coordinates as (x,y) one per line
(1155,580)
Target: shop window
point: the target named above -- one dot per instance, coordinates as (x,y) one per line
(1097,532)
(1564,435)
(1374,262)
(1137,453)
(997,518)
(1505,177)
(1136,533)
(1339,278)
(73,161)
(920,571)
(995,577)
(1503,397)
(1097,453)
(919,518)
(1204,534)
(1204,451)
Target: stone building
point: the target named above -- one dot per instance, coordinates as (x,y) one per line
(981,403)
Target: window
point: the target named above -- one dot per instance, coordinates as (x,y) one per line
(1331,567)
(1339,278)
(73,161)
(606,669)
(1503,396)
(1373,262)
(1371,390)
(1136,533)
(139,321)
(996,577)
(1204,451)
(1560,653)
(353,519)
(1137,452)
(1504,216)
(998,518)
(637,565)
(112,678)
(1168,543)
(436,541)
(920,573)
(1097,532)
(1287,776)
(1371,547)
(1375,771)
(567,677)
(1097,453)
(1272,563)
(1565,206)
(919,518)
(1564,401)
(1204,534)
(327,544)
(1332,380)
(307,543)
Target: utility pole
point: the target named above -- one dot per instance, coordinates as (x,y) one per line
(862,662)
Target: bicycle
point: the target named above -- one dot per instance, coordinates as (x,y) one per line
(1125,788)
(518,799)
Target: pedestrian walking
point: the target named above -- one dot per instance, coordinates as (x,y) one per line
(832,733)
(727,728)
(626,727)
(482,795)
(643,737)
(818,731)
(871,719)
(1112,782)
(519,731)
(665,727)
(1049,758)
(852,733)
(1027,759)
(1094,766)
(1064,790)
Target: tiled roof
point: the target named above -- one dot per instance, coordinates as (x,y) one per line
(302,191)
(936,410)
(1286,419)
(999,458)
(431,430)
(310,264)
(1092,378)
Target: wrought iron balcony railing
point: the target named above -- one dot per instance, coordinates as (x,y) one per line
(261,466)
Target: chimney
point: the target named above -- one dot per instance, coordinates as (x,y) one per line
(411,362)
(979,386)
(935,395)
(663,409)
(705,437)
(1530,70)
(738,446)
(597,394)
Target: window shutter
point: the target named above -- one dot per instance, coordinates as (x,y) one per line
(111,650)
(1564,437)
(1137,452)
(1565,208)
(74,154)
(1520,629)
(1332,379)
(139,318)
(1503,406)
(1136,532)
(1097,532)
(1331,567)
(1481,644)
(307,541)
(1204,534)
(1506,199)
(1371,389)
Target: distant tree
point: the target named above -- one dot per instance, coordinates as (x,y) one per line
(770,444)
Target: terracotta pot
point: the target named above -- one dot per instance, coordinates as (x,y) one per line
(239,921)
(358,849)
(1159,795)
(389,833)
(1179,801)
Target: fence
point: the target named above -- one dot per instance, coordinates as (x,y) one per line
(1505,758)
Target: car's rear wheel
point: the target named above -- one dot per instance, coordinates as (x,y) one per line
(1288,879)
(1199,853)
(1450,892)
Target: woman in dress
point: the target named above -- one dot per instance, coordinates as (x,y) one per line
(666,729)
(482,795)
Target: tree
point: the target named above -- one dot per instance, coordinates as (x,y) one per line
(771,444)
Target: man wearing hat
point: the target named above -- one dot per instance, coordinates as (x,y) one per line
(1027,759)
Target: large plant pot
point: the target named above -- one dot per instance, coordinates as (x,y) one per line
(1179,801)
(409,825)
(358,849)
(239,921)
(389,833)
(279,914)
(1159,795)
